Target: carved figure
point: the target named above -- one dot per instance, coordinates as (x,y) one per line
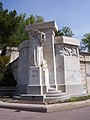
(37,39)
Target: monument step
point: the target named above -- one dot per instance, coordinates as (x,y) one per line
(55,94)
(51,89)
(59,98)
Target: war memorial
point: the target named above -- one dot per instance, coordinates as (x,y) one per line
(48,67)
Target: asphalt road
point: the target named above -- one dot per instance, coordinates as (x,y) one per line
(75,114)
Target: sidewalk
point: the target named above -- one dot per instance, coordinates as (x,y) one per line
(45,108)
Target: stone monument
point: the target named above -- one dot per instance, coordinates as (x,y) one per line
(48,66)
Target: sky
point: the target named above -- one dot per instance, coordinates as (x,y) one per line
(72,13)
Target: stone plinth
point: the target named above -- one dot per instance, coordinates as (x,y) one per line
(68,65)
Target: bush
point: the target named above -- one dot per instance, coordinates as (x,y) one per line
(6,76)
(4,60)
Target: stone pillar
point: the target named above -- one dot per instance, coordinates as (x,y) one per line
(48,47)
(49,55)
(68,65)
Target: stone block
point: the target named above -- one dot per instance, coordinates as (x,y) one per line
(34,89)
(43,25)
(74,89)
(35,75)
(71,63)
(72,77)
(67,40)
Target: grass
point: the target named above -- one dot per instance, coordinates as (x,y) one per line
(81,98)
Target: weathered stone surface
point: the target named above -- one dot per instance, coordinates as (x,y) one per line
(43,25)
(35,75)
(67,40)
(68,64)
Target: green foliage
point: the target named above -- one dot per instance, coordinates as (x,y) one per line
(21,35)
(34,19)
(9,22)
(1,6)
(85,42)
(81,98)
(12,27)
(6,76)
(3,62)
(65,31)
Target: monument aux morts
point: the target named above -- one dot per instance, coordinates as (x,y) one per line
(48,66)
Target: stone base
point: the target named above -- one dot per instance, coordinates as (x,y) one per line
(37,90)
(34,89)
(74,89)
(21,89)
(71,89)
(32,97)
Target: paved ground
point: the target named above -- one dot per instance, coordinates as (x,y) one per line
(75,114)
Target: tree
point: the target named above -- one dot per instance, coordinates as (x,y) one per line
(34,19)
(12,27)
(85,42)
(65,31)
(1,6)
(21,35)
(9,22)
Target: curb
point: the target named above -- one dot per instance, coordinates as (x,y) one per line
(27,107)
(68,106)
(46,108)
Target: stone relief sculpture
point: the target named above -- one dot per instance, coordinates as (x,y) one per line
(69,51)
(65,50)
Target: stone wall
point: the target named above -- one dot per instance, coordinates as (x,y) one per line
(12,52)
(85,70)
(14,68)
